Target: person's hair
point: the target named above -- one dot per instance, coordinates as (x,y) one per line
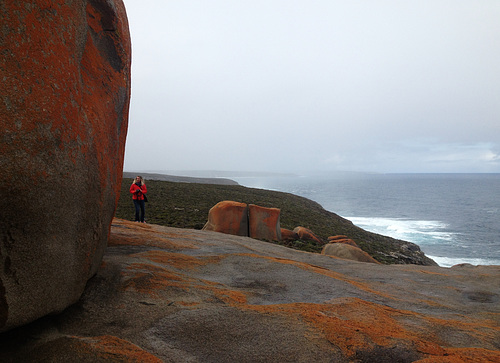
(142,179)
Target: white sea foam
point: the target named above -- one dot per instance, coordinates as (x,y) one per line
(445,214)
(417,231)
(423,233)
(448,261)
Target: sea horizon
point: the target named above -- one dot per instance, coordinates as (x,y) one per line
(446,214)
(450,216)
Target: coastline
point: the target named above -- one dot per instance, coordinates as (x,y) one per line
(186,205)
(261,181)
(354,197)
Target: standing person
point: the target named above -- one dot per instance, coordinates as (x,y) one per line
(138,190)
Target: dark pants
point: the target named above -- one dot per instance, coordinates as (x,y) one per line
(139,208)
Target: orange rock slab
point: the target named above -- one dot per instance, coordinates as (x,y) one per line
(342,239)
(306,234)
(228,217)
(264,223)
(337,237)
(288,235)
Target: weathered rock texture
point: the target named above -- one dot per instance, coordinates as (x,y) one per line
(288,235)
(264,223)
(348,252)
(228,217)
(65,88)
(241,219)
(172,295)
(342,239)
(306,234)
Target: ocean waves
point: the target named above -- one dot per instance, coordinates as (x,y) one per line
(452,217)
(419,231)
(434,238)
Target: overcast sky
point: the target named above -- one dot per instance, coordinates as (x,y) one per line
(309,85)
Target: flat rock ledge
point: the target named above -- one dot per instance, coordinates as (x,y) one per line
(176,295)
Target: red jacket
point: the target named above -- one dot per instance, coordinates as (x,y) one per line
(138,191)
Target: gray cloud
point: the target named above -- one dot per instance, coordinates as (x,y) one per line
(387,86)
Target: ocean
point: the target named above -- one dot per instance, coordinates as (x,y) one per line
(454,218)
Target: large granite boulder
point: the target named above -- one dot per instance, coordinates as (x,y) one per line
(228,217)
(264,223)
(348,252)
(65,90)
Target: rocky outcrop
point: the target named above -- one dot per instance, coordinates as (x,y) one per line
(65,88)
(241,219)
(342,239)
(336,238)
(228,217)
(347,251)
(264,223)
(180,295)
(288,235)
(307,235)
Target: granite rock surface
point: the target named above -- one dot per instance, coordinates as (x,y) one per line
(347,251)
(179,295)
(65,89)
(264,223)
(228,217)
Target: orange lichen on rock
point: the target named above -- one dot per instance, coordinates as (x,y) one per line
(352,326)
(103,348)
(139,234)
(264,223)
(336,238)
(178,260)
(151,279)
(357,326)
(288,235)
(229,296)
(446,331)
(306,234)
(116,239)
(108,347)
(228,217)
(65,89)
(326,272)
(342,239)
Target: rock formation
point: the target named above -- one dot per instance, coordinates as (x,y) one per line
(264,223)
(288,235)
(65,89)
(306,235)
(342,239)
(336,238)
(228,217)
(179,295)
(347,251)
(240,219)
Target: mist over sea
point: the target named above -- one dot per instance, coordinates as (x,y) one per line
(454,218)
